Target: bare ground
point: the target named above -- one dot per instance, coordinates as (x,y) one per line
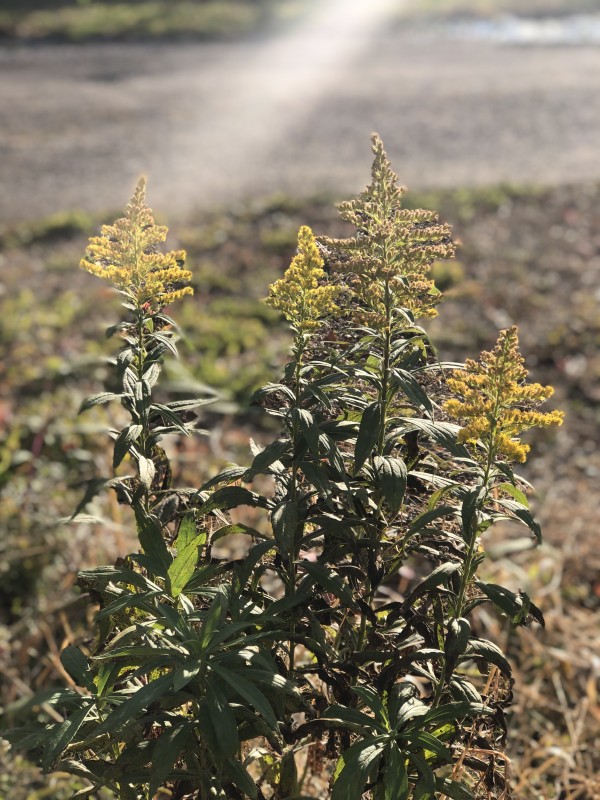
(212,123)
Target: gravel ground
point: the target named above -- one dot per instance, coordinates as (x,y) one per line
(212,123)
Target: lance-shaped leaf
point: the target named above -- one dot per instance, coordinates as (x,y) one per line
(124,442)
(412,389)
(77,666)
(307,427)
(490,652)
(167,750)
(330,580)
(137,703)
(395,776)
(390,478)
(368,434)
(184,564)
(269,457)
(516,606)
(284,519)
(62,734)
(440,575)
(98,399)
(152,542)
(354,767)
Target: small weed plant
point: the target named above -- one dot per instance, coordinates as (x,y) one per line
(341,657)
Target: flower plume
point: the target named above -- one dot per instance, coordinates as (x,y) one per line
(126,254)
(496,403)
(394,247)
(299,295)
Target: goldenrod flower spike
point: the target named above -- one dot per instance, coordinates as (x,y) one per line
(496,403)
(300,295)
(126,254)
(393,245)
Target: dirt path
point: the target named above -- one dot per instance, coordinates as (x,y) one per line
(213,123)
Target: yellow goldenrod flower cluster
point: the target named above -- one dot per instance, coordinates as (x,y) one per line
(300,295)
(126,254)
(393,245)
(497,404)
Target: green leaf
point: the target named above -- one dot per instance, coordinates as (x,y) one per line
(463,689)
(490,652)
(237,529)
(443,433)
(270,456)
(214,618)
(288,775)
(319,395)
(516,606)
(223,721)
(440,575)
(336,459)
(124,441)
(395,777)
(284,519)
(106,678)
(184,405)
(240,777)
(228,475)
(453,789)
(98,399)
(62,734)
(147,471)
(76,664)
(527,519)
(230,497)
(425,786)
(373,701)
(412,389)
(167,750)
(515,493)
(469,508)
(368,434)
(246,568)
(152,542)
(457,639)
(390,475)
(330,580)
(137,703)
(351,718)
(317,476)
(249,692)
(450,712)
(354,766)
(184,565)
(187,531)
(423,520)
(308,428)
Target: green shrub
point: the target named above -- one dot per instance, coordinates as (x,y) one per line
(306,660)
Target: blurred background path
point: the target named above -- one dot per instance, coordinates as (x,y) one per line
(292,112)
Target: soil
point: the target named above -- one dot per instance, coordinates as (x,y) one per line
(213,123)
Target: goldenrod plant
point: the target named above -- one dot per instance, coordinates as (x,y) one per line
(300,671)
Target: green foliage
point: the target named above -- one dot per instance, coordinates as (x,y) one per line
(210,676)
(77,20)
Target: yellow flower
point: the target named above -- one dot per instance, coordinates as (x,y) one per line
(299,295)
(496,403)
(126,254)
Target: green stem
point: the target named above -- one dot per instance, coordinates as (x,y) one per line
(385,367)
(470,556)
(291,585)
